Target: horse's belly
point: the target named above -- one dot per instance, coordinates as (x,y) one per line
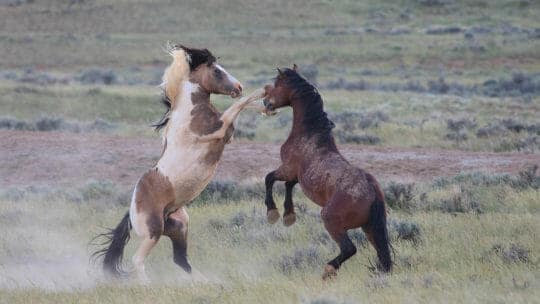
(187,173)
(313,190)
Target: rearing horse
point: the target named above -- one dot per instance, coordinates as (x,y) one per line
(194,137)
(349,196)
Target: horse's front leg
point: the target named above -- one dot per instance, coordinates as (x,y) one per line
(229,116)
(272,212)
(289,217)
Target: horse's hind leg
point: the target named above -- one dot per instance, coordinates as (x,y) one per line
(176,228)
(289,217)
(334,225)
(154,227)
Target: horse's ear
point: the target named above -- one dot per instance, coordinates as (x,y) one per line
(280,73)
(295,67)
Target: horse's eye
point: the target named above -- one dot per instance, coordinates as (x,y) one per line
(218,73)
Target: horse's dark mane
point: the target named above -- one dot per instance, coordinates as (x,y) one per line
(315,118)
(196,58)
(165,118)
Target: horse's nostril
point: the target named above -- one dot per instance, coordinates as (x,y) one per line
(239,88)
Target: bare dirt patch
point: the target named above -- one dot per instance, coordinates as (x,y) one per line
(64,159)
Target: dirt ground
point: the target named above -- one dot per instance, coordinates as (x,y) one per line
(63,159)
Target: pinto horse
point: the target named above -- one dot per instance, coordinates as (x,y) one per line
(349,196)
(194,136)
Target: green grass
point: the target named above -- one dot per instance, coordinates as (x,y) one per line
(239,258)
(415,120)
(343,39)
(466,253)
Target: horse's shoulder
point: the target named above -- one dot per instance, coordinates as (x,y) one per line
(205,119)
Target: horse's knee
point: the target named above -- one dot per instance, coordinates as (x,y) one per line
(176,224)
(269,179)
(154,225)
(173,228)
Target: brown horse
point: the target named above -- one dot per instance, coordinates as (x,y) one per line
(194,137)
(349,196)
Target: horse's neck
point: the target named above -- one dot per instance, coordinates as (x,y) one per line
(181,109)
(298,128)
(300,132)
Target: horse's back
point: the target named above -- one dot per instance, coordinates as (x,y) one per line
(331,174)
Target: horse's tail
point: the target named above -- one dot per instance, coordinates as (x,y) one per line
(113,251)
(378,229)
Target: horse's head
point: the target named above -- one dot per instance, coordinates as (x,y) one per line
(280,93)
(209,75)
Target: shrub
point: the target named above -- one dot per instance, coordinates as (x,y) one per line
(460,202)
(100,125)
(519,84)
(49,123)
(302,258)
(441,30)
(98,189)
(45,124)
(514,253)
(406,230)
(399,196)
(219,191)
(239,219)
(358,237)
(460,124)
(360,139)
(438,87)
(457,136)
(15,124)
(513,125)
(490,130)
(217,224)
(529,178)
(528,144)
(432,2)
(97,76)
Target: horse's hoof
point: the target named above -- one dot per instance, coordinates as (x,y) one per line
(289,219)
(329,273)
(186,267)
(272,216)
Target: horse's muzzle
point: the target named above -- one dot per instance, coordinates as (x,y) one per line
(268,105)
(236,91)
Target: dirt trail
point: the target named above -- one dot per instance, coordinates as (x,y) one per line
(63,159)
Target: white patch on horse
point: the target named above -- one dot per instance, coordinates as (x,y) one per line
(229,76)
(133,216)
(181,159)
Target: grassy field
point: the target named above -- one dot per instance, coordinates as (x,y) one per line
(444,74)
(472,238)
(423,64)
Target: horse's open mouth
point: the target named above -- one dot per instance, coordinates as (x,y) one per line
(235,94)
(269,109)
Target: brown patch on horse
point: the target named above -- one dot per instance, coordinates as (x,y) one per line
(204,116)
(154,192)
(205,119)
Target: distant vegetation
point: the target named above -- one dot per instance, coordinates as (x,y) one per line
(445,74)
